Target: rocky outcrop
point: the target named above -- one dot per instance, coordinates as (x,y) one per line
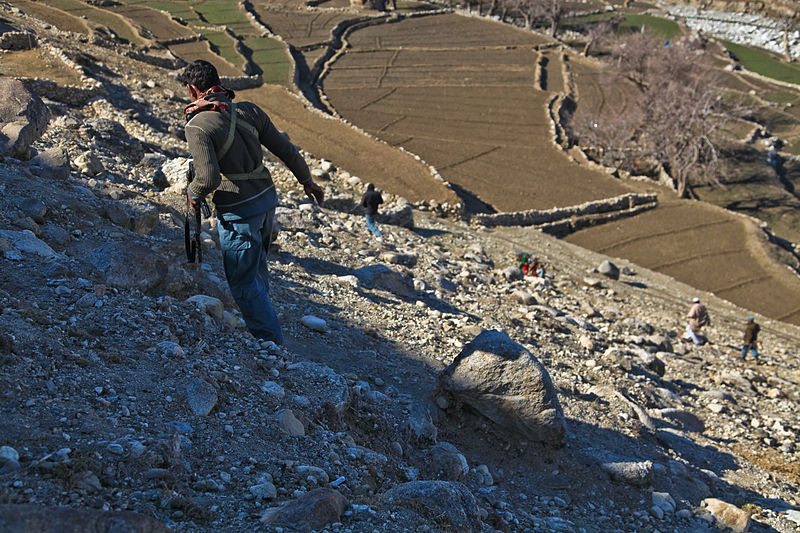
(504,382)
(311,511)
(23,118)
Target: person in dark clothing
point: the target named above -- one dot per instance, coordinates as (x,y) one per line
(370,202)
(750,338)
(225,139)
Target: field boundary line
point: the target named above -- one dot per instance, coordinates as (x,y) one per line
(472,157)
(695,257)
(378,99)
(630,240)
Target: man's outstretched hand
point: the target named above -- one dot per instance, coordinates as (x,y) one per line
(314,192)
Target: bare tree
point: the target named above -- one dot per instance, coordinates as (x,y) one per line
(528,10)
(789,23)
(671,121)
(597,33)
(550,10)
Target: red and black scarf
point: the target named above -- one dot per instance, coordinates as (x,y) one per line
(202,104)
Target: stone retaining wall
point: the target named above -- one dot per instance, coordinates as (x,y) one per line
(17,40)
(618,205)
(240,83)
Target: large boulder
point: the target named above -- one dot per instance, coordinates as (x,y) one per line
(448,504)
(27,518)
(399,213)
(312,511)
(504,382)
(23,118)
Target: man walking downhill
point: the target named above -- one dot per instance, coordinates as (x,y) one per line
(370,201)
(698,319)
(225,140)
(750,338)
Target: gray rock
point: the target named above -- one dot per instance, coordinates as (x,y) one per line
(395,258)
(27,223)
(9,459)
(524,297)
(505,383)
(133,216)
(34,208)
(512,273)
(445,462)
(636,473)
(312,511)
(51,163)
(449,504)
(399,213)
(314,323)
(26,242)
(384,278)
(264,491)
(90,164)
(273,390)
(328,389)
(129,265)
(55,235)
(685,419)
(23,118)
(420,424)
(608,269)
(663,501)
(727,515)
(170,349)
(201,396)
(289,423)
(209,305)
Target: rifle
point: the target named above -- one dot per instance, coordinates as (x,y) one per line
(193,243)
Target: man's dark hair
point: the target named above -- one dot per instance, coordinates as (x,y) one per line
(201,74)
(370,187)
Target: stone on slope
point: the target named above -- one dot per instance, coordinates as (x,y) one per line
(608,269)
(25,242)
(384,278)
(449,504)
(129,265)
(727,515)
(51,163)
(312,511)
(34,208)
(400,213)
(320,384)
(90,164)
(133,216)
(29,518)
(23,118)
(314,323)
(209,305)
(508,385)
(201,396)
(289,423)
(445,462)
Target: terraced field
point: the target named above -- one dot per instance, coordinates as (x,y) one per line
(32,63)
(155,22)
(706,247)
(52,15)
(366,158)
(194,50)
(465,100)
(95,17)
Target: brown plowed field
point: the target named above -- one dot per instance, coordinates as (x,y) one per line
(58,18)
(465,100)
(300,27)
(201,50)
(706,247)
(371,160)
(98,17)
(159,24)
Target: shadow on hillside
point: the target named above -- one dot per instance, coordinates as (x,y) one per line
(401,291)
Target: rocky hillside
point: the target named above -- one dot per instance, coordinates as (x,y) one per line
(424,386)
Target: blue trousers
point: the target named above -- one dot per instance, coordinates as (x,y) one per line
(752,348)
(372,225)
(245,245)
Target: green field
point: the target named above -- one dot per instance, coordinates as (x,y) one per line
(764,63)
(268,54)
(272,57)
(660,26)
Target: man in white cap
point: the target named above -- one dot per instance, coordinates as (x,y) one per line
(698,318)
